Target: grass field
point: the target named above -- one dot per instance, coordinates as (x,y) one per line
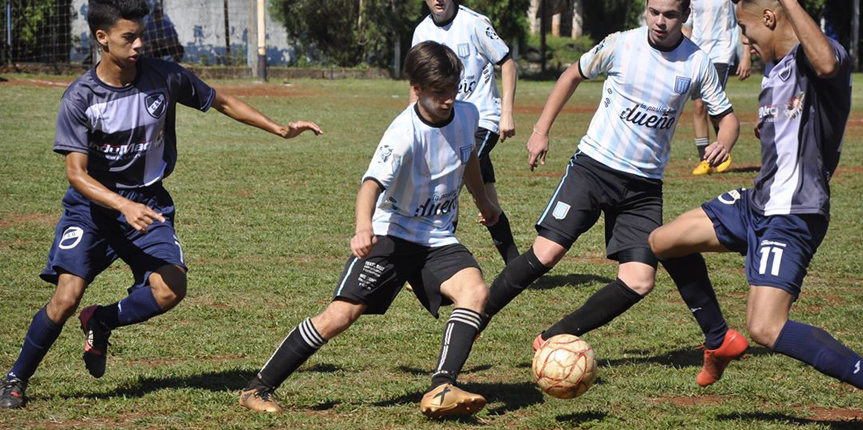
(265,225)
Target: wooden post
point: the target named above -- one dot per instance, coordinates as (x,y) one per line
(262,42)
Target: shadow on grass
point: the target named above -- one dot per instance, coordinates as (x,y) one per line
(745,169)
(683,357)
(513,396)
(226,380)
(581,417)
(576,280)
(779,418)
(421,372)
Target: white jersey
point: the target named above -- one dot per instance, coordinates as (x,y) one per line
(642,99)
(714,29)
(471,36)
(420,167)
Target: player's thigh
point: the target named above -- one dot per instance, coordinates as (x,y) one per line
(375,280)
(689,233)
(767,312)
(466,289)
(450,274)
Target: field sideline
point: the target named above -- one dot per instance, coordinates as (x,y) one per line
(265,226)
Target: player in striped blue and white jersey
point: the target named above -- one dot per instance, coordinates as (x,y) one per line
(473,38)
(712,25)
(404,232)
(780,223)
(618,169)
(115,127)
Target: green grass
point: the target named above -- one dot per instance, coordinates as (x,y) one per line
(266,224)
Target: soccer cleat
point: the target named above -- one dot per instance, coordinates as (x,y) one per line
(715,360)
(538,342)
(95,342)
(12,393)
(449,400)
(703,168)
(261,400)
(724,166)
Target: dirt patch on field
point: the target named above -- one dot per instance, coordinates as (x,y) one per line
(266,90)
(824,414)
(18,219)
(688,401)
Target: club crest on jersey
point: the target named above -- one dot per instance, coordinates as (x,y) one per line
(465,153)
(463,50)
(681,85)
(155,104)
(71,237)
(560,210)
(490,33)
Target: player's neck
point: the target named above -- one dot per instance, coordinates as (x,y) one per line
(447,17)
(115,75)
(783,43)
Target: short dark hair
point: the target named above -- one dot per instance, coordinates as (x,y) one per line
(104,14)
(433,65)
(685,4)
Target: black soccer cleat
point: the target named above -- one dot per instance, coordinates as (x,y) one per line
(12,393)
(95,342)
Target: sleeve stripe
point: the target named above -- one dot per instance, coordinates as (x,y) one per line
(723,114)
(503,60)
(372,178)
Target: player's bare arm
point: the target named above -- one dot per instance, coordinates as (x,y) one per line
(729,131)
(243,112)
(818,50)
(537,145)
(137,215)
(509,76)
(364,237)
(473,178)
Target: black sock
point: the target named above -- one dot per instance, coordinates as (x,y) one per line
(300,344)
(514,278)
(701,145)
(690,275)
(602,307)
(501,235)
(458,337)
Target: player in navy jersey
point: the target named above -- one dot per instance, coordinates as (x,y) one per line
(473,38)
(652,72)
(116,128)
(779,223)
(404,232)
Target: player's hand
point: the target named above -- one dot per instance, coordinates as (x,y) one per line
(362,243)
(715,154)
(296,128)
(757,130)
(488,215)
(537,148)
(506,127)
(744,69)
(140,216)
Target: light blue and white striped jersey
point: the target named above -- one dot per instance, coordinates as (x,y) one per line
(714,29)
(471,36)
(643,97)
(420,166)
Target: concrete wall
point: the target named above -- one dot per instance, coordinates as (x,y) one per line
(200,26)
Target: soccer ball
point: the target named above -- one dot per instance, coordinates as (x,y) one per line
(564,367)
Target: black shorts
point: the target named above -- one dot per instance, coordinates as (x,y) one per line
(722,70)
(376,280)
(485,142)
(632,206)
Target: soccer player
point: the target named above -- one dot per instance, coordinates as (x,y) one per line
(404,232)
(116,128)
(618,169)
(712,26)
(779,223)
(472,37)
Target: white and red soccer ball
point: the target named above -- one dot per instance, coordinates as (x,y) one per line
(564,367)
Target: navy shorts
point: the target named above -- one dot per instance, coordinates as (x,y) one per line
(375,281)
(485,142)
(778,248)
(632,207)
(89,237)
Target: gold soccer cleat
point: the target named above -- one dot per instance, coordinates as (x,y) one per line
(449,400)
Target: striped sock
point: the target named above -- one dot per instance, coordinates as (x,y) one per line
(300,344)
(458,337)
(701,145)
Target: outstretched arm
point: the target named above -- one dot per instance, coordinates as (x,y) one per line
(537,145)
(243,112)
(818,51)
(509,75)
(137,215)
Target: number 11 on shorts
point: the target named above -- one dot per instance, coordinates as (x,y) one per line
(777,259)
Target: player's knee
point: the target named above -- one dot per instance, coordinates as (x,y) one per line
(656,243)
(641,286)
(169,287)
(475,296)
(63,305)
(762,332)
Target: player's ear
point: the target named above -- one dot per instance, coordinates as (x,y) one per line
(768,17)
(102,38)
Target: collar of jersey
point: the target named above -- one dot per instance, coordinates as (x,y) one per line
(447,22)
(659,48)
(113,88)
(441,124)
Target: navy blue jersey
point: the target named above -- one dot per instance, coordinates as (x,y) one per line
(128,133)
(802,119)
